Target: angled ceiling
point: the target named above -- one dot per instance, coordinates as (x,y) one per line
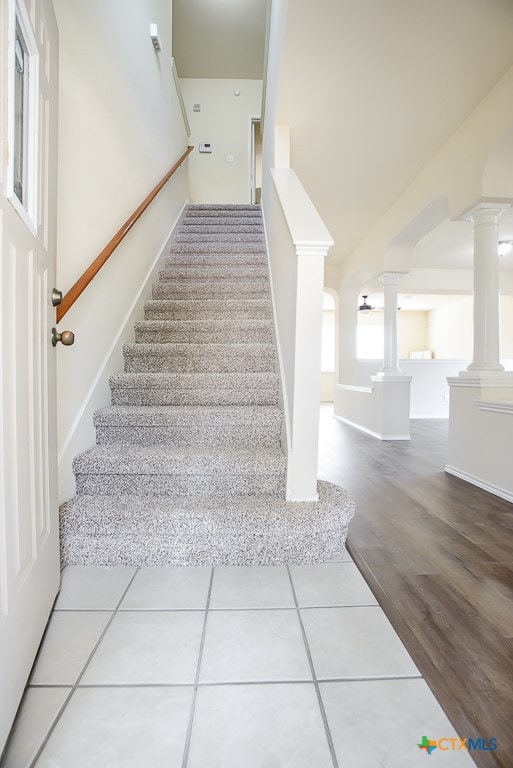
(219,38)
(373,89)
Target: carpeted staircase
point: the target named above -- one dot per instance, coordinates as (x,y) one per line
(188,468)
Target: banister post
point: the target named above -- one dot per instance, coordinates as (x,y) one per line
(303,456)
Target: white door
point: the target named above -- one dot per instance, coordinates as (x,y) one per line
(29,543)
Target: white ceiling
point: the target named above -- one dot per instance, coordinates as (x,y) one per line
(219,38)
(413,303)
(373,89)
(451,245)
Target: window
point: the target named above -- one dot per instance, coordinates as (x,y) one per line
(21,69)
(23,116)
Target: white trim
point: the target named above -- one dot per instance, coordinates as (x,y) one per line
(311,497)
(430,416)
(370,432)
(100,372)
(251,155)
(180,96)
(282,394)
(391,378)
(494,489)
(498,406)
(307,229)
(503,380)
(18,13)
(352,388)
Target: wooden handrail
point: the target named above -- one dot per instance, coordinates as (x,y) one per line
(72,295)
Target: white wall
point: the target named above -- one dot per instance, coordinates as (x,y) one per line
(225,122)
(450,329)
(120,130)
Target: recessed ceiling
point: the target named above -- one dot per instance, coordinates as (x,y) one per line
(219,38)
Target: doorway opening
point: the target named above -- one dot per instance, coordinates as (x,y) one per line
(256,161)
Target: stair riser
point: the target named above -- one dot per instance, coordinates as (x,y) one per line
(212,336)
(214,272)
(222,229)
(224,436)
(207,396)
(221,221)
(199,364)
(191,248)
(210,259)
(236,208)
(212,291)
(204,313)
(182,485)
(257,239)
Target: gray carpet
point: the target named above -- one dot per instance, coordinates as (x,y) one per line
(188,468)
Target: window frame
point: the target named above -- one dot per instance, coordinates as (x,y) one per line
(27,210)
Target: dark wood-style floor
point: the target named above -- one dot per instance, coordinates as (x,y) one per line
(438,554)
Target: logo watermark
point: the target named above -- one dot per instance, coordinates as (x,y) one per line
(455,744)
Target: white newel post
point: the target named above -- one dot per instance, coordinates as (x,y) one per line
(390,354)
(303,458)
(486,355)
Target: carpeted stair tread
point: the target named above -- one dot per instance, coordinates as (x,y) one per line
(224,238)
(215,259)
(206,332)
(188,467)
(213,358)
(194,388)
(214,272)
(153,470)
(217,247)
(214,426)
(157,460)
(218,220)
(229,309)
(217,289)
(113,415)
(227,229)
(224,207)
(121,530)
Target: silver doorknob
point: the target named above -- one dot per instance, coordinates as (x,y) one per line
(66,337)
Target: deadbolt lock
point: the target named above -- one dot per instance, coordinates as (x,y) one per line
(56,297)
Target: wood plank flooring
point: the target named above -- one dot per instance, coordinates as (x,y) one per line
(438,554)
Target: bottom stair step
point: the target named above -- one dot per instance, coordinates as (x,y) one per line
(122,530)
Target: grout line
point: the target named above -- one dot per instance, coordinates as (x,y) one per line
(221,683)
(196,679)
(226,609)
(314,678)
(76,684)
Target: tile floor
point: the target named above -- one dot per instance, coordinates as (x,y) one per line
(258,667)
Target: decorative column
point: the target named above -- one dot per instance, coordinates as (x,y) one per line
(390,354)
(486,355)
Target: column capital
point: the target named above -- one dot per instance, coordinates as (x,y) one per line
(485,208)
(391,278)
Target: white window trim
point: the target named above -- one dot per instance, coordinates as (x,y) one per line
(18,13)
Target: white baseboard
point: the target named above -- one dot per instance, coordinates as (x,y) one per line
(501,492)
(310,497)
(370,432)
